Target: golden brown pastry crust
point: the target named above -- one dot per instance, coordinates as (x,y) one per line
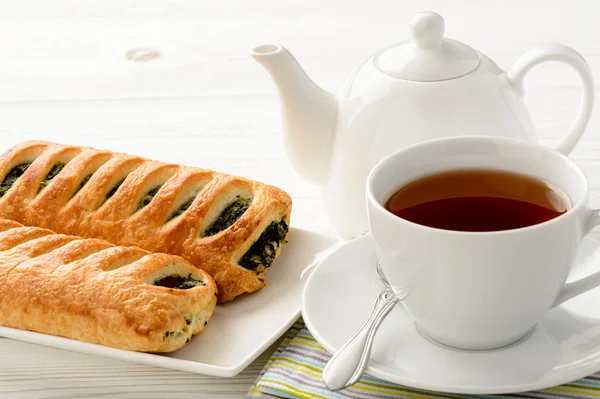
(93,291)
(117,221)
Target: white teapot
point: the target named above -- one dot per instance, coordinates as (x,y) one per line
(416,90)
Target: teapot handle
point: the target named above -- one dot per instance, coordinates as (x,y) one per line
(557,52)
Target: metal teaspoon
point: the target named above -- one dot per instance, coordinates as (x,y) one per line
(348,364)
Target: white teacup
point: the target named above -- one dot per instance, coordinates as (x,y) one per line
(480,290)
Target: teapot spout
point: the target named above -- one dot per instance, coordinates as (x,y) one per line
(309,113)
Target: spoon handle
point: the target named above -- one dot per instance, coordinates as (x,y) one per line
(347,366)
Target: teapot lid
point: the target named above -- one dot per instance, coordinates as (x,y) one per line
(428,57)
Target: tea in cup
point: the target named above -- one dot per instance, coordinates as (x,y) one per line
(483,232)
(478,200)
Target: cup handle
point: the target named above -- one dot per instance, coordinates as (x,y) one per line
(557,52)
(578,287)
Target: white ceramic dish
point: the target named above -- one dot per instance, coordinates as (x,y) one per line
(238,332)
(564,346)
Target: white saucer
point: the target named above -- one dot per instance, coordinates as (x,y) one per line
(564,346)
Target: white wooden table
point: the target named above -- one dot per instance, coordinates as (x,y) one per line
(65,76)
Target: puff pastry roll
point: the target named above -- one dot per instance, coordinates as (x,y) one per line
(93,291)
(231,227)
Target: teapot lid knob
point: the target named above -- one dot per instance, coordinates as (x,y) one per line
(427,29)
(428,56)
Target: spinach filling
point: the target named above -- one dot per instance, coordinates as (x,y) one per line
(229,216)
(182,208)
(179,282)
(173,334)
(12,176)
(263,251)
(83,183)
(112,191)
(51,175)
(147,198)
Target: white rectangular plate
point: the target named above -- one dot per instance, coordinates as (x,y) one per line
(238,332)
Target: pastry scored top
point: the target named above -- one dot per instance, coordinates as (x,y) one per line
(93,291)
(231,227)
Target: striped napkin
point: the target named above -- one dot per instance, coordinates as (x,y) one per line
(294,371)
